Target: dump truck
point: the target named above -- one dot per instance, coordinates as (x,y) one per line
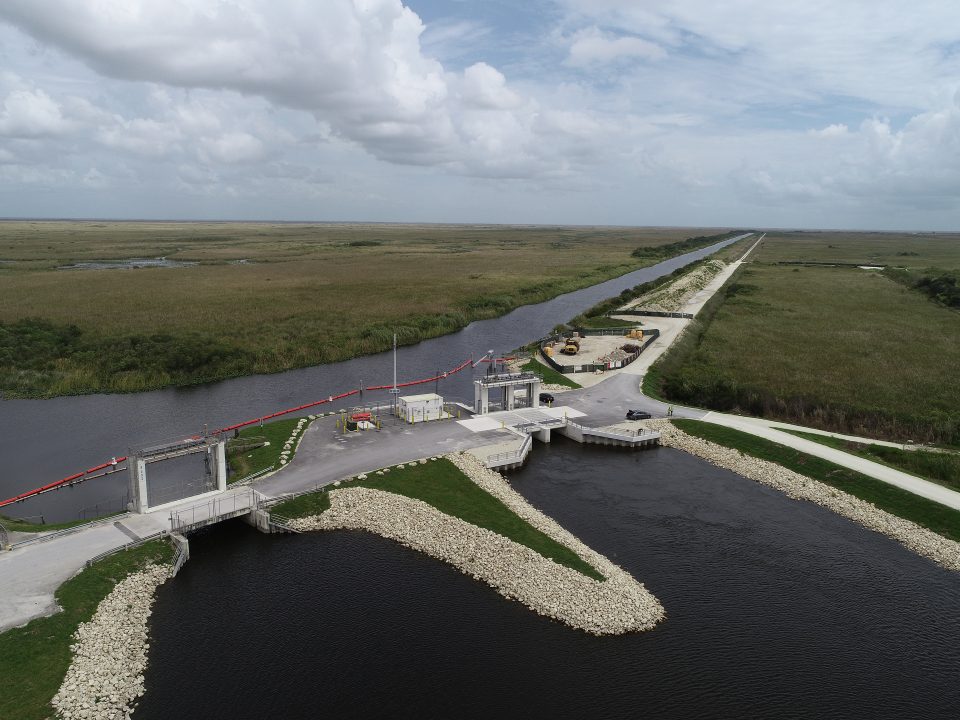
(571,346)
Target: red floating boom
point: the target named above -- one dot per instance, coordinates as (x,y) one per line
(81,476)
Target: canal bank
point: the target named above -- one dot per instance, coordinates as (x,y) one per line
(42,440)
(777,608)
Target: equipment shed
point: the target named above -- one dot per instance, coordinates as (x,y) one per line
(419,408)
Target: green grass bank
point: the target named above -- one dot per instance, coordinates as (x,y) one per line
(938,467)
(926,513)
(441,484)
(34,658)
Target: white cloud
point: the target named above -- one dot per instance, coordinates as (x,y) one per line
(356,65)
(591,46)
(234,148)
(485,87)
(31,114)
(619,111)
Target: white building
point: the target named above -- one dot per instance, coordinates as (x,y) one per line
(419,408)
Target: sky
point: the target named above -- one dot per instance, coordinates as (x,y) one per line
(745,113)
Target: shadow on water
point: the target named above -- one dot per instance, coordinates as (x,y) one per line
(776,609)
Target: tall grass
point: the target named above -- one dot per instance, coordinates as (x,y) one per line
(311,294)
(833,348)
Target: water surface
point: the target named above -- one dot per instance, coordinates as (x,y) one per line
(775,609)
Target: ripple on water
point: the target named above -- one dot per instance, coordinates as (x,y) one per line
(775,608)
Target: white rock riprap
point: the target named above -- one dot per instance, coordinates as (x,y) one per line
(105,676)
(924,542)
(617,605)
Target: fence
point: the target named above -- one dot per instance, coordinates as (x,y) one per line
(214,510)
(105,507)
(126,546)
(510,457)
(649,337)
(655,313)
(586,332)
(61,533)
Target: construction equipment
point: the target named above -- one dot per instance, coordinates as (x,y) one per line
(571,346)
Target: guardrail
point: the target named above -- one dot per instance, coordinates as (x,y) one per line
(181,556)
(213,511)
(66,531)
(126,546)
(511,456)
(282,522)
(252,476)
(618,434)
(655,313)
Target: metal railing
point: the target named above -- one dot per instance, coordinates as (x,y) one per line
(181,556)
(252,476)
(214,510)
(511,456)
(618,434)
(66,531)
(126,546)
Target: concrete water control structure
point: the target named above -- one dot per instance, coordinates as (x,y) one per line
(527,383)
(146,496)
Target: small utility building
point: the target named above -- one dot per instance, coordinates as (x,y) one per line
(419,408)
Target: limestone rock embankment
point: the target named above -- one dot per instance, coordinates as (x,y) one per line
(105,676)
(924,542)
(617,605)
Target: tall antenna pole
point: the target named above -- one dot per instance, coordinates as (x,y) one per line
(395,390)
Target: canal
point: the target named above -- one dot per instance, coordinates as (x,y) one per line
(775,609)
(45,440)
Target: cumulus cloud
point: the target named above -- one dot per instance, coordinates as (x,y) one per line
(31,114)
(356,65)
(704,106)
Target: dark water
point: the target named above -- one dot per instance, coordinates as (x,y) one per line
(45,440)
(776,609)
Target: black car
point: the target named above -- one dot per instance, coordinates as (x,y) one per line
(638,415)
(546,398)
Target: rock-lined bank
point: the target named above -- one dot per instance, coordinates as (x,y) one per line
(924,542)
(614,606)
(105,676)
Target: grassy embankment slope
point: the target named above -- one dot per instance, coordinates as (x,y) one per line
(441,484)
(938,467)
(258,448)
(837,348)
(35,657)
(940,519)
(304,295)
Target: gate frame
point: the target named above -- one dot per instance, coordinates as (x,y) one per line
(140,458)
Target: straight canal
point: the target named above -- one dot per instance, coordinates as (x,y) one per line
(45,440)
(775,609)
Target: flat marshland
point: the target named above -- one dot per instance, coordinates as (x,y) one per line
(838,347)
(269,297)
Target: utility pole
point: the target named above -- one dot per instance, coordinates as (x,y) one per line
(395,390)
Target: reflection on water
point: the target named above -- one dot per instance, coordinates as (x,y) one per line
(131,264)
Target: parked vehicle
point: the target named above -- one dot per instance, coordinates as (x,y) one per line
(546,398)
(638,415)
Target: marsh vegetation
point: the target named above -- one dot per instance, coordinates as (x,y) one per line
(306,294)
(837,348)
